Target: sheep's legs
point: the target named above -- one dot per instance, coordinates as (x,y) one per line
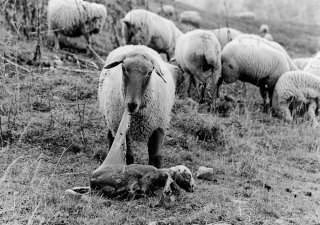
(311,110)
(56,41)
(154,147)
(263,93)
(285,113)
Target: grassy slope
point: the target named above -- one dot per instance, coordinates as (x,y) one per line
(265,170)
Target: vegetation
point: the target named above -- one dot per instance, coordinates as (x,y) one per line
(52,137)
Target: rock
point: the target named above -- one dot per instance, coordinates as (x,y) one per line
(205,173)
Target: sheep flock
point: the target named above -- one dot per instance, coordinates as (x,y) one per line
(158,63)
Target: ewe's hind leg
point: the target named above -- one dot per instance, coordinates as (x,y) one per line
(311,110)
(263,93)
(154,147)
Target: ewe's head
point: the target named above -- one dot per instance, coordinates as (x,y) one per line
(134,33)
(137,68)
(230,70)
(183,177)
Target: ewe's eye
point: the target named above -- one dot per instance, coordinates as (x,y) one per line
(230,66)
(149,73)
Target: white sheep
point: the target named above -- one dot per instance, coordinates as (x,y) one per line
(74,18)
(198,54)
(271,44)
(297,87)
(226,34)
(301,62)
(314,65)
(140,26)
(254,62)
(264,29)
(136,78)
(192,18)
(247,15)
(166,10)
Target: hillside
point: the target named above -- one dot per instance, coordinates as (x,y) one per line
(52,136)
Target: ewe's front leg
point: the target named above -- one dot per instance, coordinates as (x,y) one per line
(311,110)
(264,93)
(129,154)
(154,147)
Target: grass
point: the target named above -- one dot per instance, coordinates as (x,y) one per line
(53,137)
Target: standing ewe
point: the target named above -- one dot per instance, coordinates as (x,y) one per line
(271,44)
(192,18)
(198,52)
(226,34)
(74,18)
(140,26)
(314,65)
(299,87)
(254,62)
(136,78)
(264,29)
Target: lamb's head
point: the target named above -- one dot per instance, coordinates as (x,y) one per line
(134,33)
(183,177)
(137,69)
(230,69)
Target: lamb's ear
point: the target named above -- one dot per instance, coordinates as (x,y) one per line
(158,70)
(115,62)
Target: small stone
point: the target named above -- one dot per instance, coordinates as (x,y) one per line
(205,173)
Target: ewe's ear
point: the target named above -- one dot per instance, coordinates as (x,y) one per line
(119,59)
(113,64)
(158,70)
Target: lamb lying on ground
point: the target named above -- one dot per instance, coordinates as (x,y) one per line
(297,87)
(74,18)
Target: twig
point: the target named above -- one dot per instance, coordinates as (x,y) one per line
(75,70)
(12,63)
(96,56)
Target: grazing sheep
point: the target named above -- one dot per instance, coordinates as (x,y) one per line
(247,15)
(192,18)
(297,87)
(226,34)
(198,54)
(74,18)
(140,26)
(301,62)
(136,78)
(314,65)
(254,62)
(271,44)
(167,11)
(264,29)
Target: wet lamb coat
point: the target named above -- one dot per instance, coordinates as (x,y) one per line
(140,26)
(226,34)
(254,62)
(301,86)
(74,18)
(158,97)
